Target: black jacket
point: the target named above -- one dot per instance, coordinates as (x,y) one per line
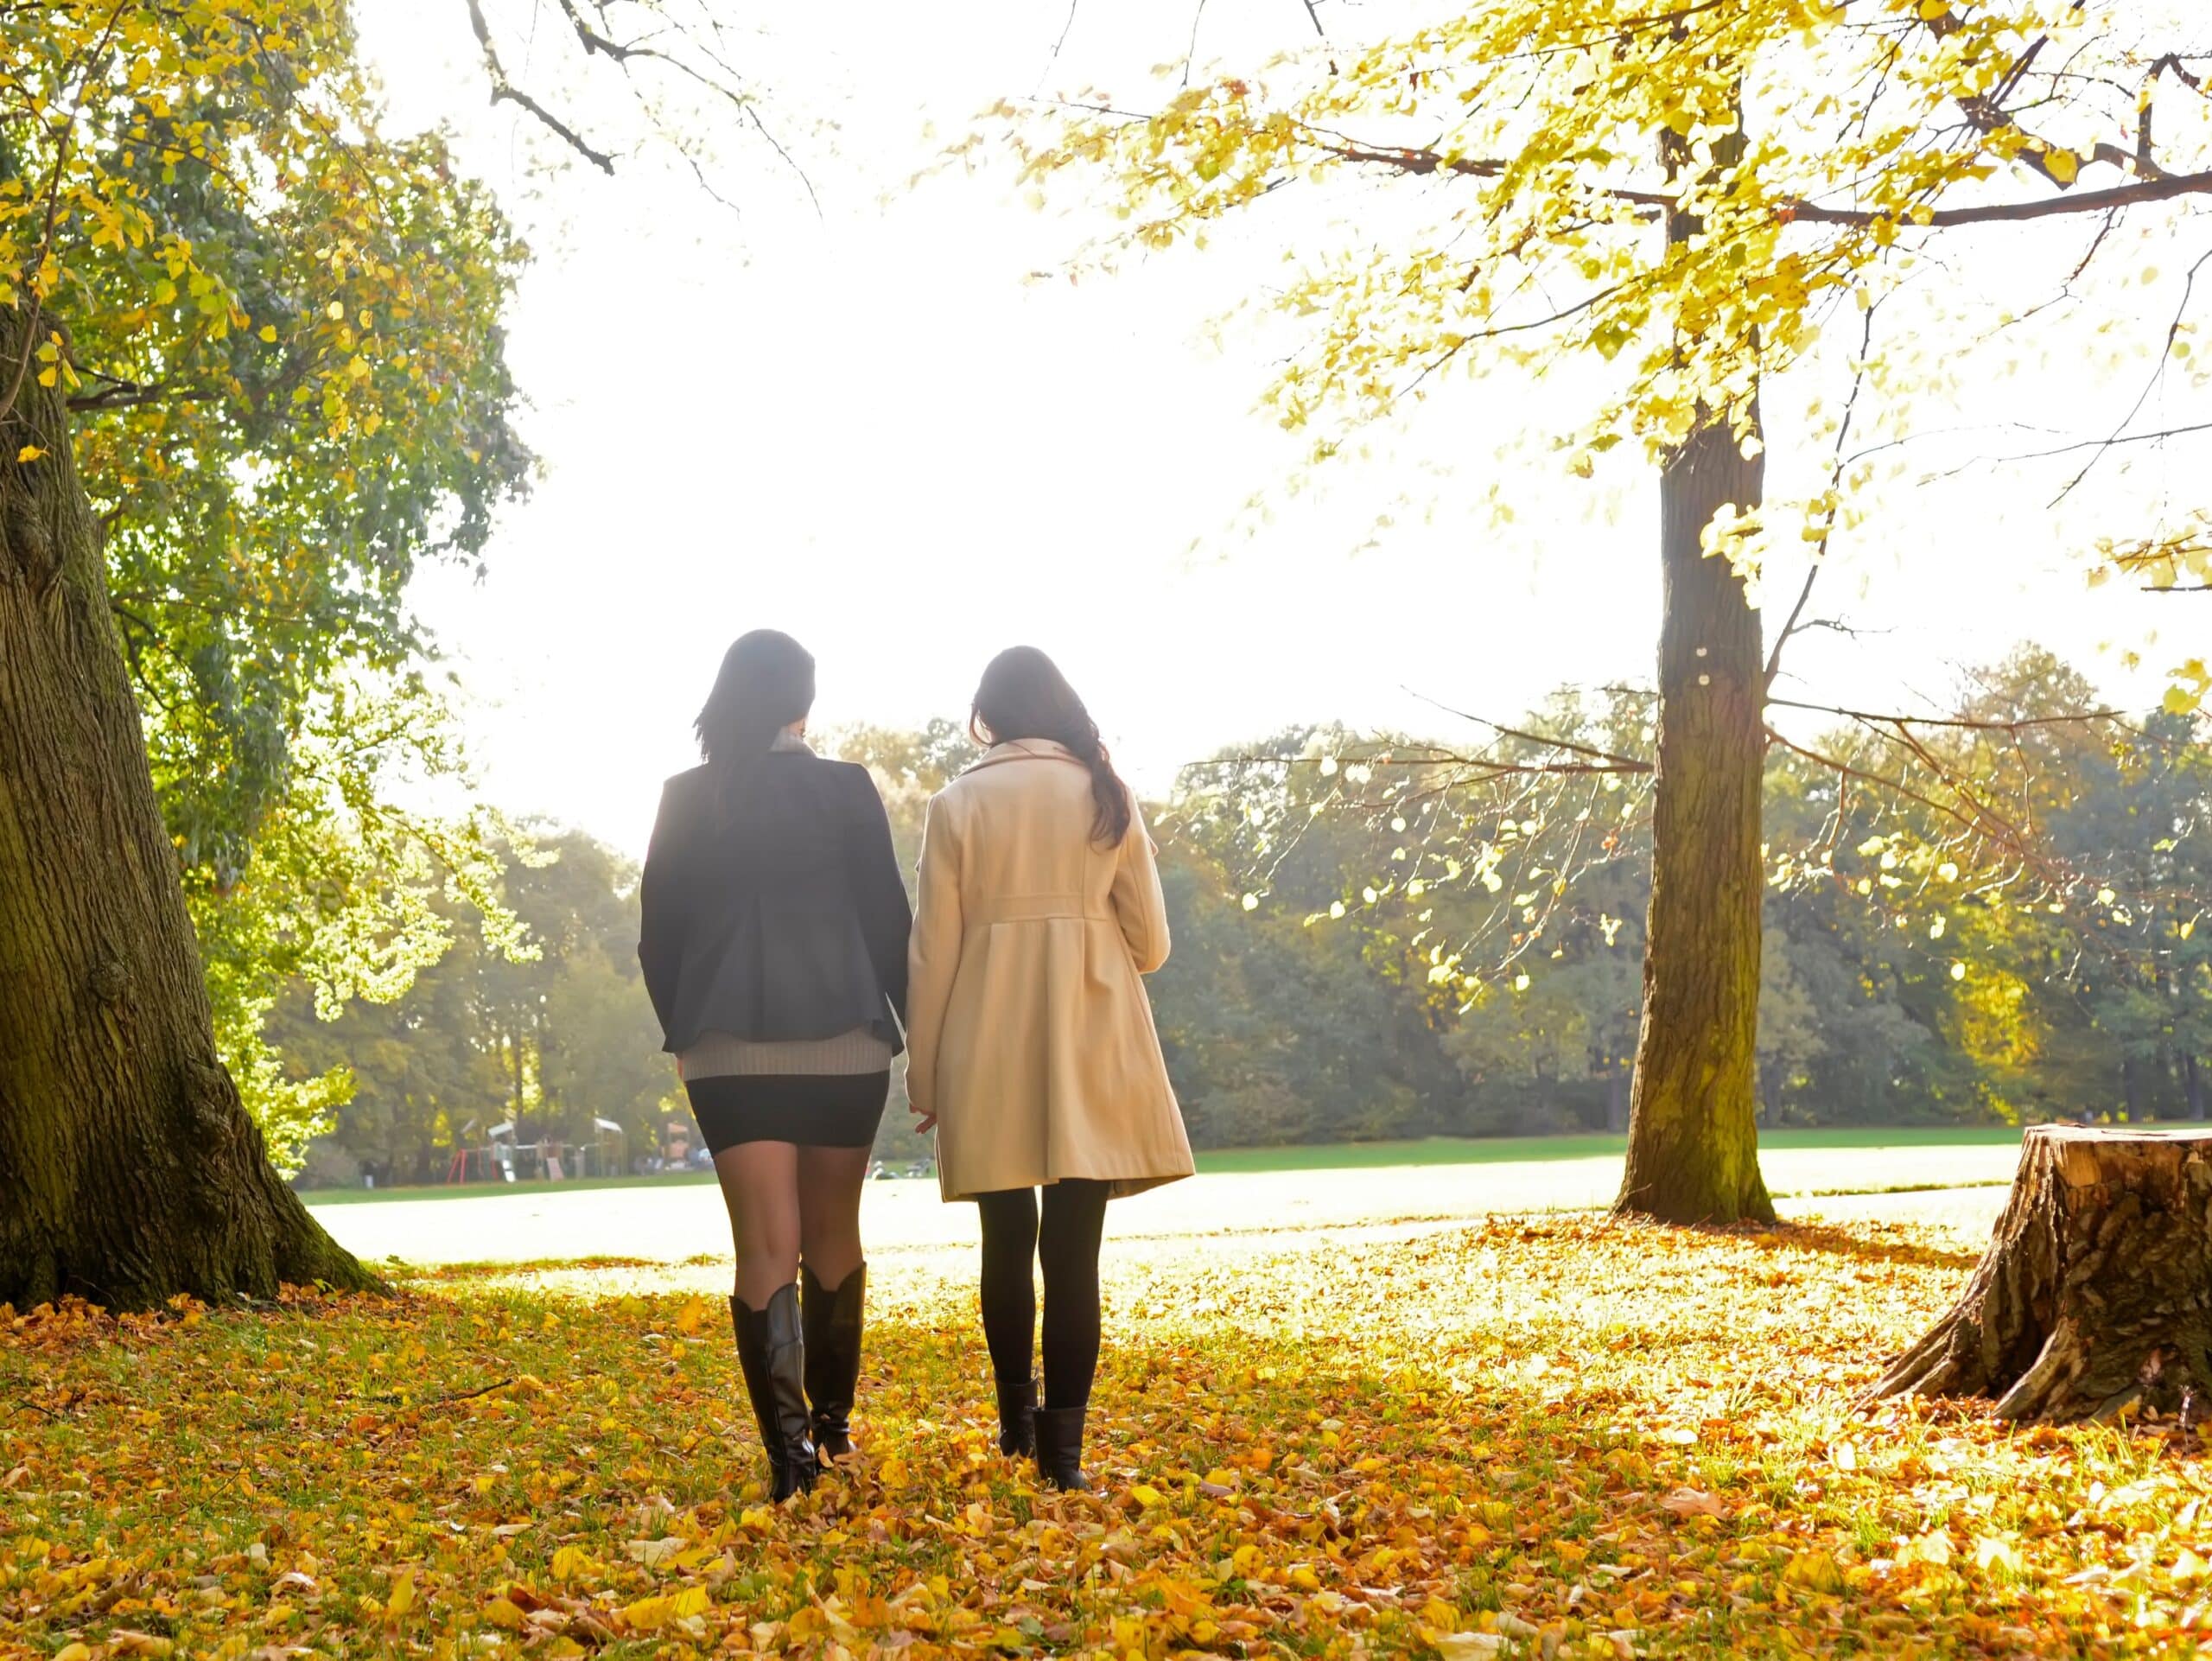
(779,914)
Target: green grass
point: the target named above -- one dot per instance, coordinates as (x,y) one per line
(1499,1151)
(1325,1157)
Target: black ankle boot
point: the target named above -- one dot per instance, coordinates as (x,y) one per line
(1017,1417)
(1060,1447)
(833,1356)
(771,1350)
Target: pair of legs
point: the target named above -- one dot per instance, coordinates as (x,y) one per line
(1062,1234)
(791,1204)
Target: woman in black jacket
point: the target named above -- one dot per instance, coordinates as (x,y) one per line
(775,947)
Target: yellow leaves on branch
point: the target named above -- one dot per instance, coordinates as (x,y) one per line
(1801,147)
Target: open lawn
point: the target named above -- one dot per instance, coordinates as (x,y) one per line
(1538,1436)
(671,1219)
(1326,1156)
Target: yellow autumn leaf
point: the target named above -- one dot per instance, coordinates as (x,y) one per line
(1815,1571)
(1992,1552)
(28,453)
(402,1595)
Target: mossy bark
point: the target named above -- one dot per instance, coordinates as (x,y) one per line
(2096,1293)
(128,1171)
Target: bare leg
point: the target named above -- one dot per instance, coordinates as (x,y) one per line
(760,1186)
(830,1184)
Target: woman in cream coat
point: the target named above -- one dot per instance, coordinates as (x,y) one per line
(1031,1046)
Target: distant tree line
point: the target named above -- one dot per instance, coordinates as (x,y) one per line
(1372,943)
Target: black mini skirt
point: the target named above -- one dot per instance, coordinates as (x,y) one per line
(814,1111)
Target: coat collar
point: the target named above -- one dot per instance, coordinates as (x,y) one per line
(1023,749)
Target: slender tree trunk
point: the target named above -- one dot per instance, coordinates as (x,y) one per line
(2195,1077)
(129,1172)
(1693,1137)
(1693,1149)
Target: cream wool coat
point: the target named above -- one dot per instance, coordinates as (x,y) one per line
(1028,1032)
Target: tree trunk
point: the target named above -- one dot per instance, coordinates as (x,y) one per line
(128,1171)
(1693,1137)
(2096,1293)
(1692,1148)
(2195,1077)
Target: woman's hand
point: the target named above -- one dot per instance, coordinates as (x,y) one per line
(924,1121)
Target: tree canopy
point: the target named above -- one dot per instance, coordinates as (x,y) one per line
(280,336)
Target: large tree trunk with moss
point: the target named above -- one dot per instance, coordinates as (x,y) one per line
(1693,1140)
(2096,1294)
(129,1172)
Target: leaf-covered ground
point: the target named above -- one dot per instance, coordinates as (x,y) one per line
(1551,1437)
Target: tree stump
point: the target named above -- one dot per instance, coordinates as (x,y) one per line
(2096,1294)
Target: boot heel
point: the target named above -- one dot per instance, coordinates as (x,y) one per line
(834,1323)
(772,1351)
(1017,1417)
(1060,1448)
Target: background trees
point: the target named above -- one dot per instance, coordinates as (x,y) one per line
(1369,944)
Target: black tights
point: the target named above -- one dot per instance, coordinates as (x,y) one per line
(1066,1241)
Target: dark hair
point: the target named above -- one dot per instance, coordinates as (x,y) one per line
(1023,694)
(766,683)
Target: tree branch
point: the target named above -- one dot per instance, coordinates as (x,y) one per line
(1835,481)
(505,92)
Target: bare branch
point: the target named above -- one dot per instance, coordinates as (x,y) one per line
(1957,723)
(505,92)
(2150,386)
(1836,482)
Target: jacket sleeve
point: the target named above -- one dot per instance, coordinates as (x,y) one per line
(1139,905)
(879,891)
(935,957)
(660,921)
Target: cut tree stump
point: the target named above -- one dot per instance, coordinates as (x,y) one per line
(2096,1294)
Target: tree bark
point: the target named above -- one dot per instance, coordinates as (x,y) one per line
(1693,1146)
(1693,1137)
(2096,1293)
(128,1171)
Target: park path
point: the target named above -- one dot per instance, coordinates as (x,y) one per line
(1959,1190)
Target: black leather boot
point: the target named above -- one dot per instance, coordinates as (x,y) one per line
(1060,1447)
(771,1350)
(833,1356)
(1017,1417)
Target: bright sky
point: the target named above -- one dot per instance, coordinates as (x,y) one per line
(875,428)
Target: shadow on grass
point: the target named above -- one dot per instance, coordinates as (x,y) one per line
(1828,1238)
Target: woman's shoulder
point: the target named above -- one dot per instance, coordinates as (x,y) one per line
(678,790)
(848,779)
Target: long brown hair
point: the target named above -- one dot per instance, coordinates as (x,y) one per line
(766,683)
(1023,694)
